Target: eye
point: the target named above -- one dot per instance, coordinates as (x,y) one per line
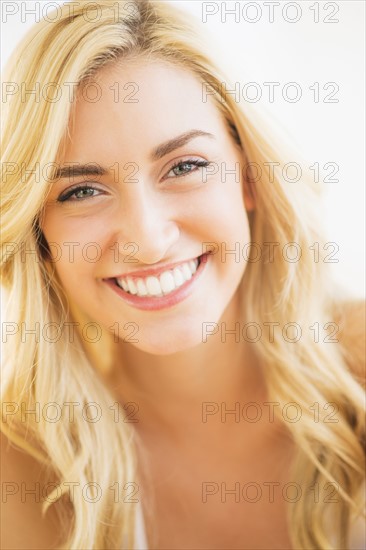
(185,167)
(79,193)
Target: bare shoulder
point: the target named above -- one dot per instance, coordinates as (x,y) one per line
(22,481)
(351,320)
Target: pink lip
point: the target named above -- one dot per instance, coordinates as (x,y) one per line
(151,303)
(152,271)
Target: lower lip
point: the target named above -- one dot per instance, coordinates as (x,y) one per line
(152,303)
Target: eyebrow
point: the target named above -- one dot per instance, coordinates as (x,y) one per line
(175,143)
(79,170)
(157,153)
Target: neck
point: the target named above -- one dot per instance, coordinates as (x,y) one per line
(175,391)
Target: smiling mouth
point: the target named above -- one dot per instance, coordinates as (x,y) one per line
(156,286)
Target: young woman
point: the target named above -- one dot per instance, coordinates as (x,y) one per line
(179,372)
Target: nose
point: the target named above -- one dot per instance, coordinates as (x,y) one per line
(147,228)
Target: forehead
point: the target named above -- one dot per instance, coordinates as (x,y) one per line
(135,102)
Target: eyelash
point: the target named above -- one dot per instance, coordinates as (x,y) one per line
(194,162)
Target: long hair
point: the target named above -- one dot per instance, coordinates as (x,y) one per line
(275,291)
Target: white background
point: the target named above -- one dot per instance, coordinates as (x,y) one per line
(304,52)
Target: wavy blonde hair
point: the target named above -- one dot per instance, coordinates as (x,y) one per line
(73,49)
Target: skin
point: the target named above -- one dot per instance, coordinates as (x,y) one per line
(169,372)
(167,220)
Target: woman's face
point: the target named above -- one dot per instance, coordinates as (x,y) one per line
(141,217)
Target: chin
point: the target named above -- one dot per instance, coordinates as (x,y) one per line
(159,348)
(168,345)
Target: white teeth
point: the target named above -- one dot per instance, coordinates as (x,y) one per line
(178,277)
(166,283)
(141,287)
(131,286)
(124,285)
(193,265)
(153,286)
(186,272)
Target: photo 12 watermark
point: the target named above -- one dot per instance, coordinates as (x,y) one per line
(53,412)
(269,491)
(53,92)
(228,12)
(91,491)
(24,11)
(254,412)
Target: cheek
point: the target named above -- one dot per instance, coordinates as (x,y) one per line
(221,216)
(62,228)
(227,228)
(77,245)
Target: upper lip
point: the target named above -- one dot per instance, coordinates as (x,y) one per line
(155,270)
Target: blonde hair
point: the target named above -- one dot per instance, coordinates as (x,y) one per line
(72,49)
